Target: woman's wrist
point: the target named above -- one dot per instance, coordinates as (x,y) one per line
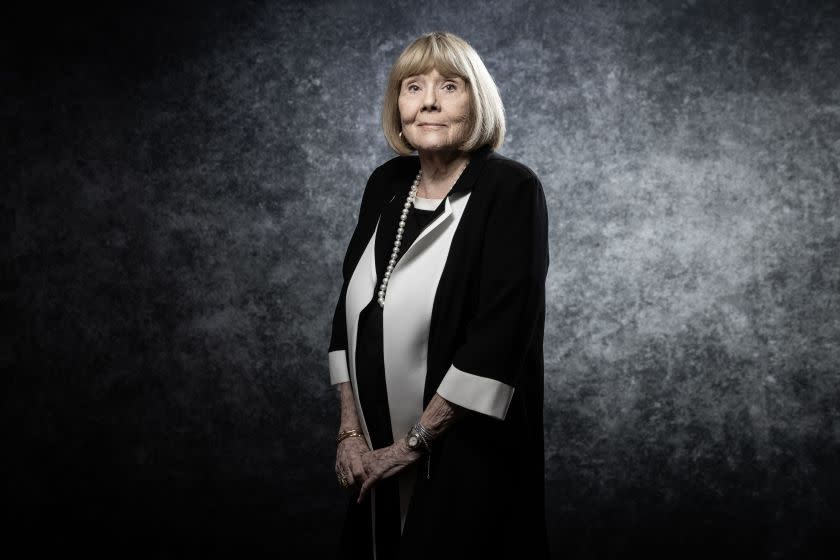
(403,448)
(347,434)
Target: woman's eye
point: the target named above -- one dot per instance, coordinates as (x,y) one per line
(450,87)
(413,87)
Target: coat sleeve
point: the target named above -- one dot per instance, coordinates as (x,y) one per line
(511,303)
(337,352)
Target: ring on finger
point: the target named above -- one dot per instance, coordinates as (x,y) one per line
(342,480)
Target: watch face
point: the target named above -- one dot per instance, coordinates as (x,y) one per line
(413,441)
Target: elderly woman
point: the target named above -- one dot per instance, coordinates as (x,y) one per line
(437,338)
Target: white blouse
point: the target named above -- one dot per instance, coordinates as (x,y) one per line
(426,203)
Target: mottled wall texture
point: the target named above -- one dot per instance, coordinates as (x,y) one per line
(181,184)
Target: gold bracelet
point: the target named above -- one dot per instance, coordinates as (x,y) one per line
(344,434)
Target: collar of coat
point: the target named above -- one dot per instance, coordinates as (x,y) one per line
(410,165)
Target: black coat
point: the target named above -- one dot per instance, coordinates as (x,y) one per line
(464,316)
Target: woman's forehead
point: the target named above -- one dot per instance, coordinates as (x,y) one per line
(445,75)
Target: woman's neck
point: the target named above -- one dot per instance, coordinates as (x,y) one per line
(440,171)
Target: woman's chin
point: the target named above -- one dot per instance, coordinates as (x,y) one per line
(431,147)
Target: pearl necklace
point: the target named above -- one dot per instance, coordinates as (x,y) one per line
(409,201)
(412,195)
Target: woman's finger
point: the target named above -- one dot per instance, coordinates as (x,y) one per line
(369,481)
(372,470)
(358,468)
(341,471)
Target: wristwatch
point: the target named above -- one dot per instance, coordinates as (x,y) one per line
(417,438)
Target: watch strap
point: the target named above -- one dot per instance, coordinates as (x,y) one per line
(421,433)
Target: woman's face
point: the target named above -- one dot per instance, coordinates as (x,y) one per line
(434,111)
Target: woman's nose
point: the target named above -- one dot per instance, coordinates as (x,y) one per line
(430,99)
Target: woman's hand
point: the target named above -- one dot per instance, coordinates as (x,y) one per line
(348,459)
(385,462)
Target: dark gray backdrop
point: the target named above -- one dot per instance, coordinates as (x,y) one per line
(182,184)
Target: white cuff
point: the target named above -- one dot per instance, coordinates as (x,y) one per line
(338,367)
(477,393)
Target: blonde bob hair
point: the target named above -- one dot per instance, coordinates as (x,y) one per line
(451,56)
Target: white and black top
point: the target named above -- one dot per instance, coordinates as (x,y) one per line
(463,317)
